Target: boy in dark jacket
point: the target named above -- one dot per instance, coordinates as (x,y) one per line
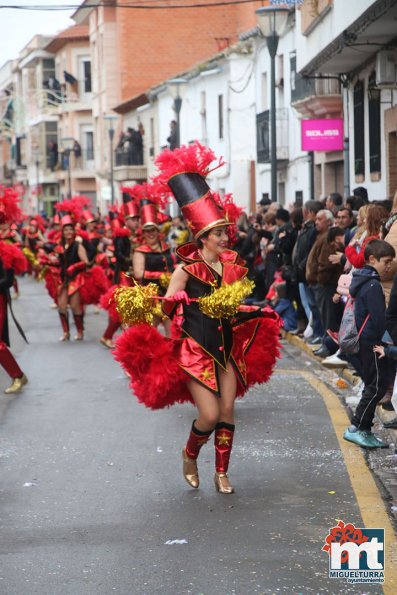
(367,291)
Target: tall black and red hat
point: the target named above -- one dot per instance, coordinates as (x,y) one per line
(184,171)
(130,207)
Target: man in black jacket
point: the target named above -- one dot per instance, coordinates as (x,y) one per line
(304,243)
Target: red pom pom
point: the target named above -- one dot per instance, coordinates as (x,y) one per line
(13,258)
(150,360)
(10,211)
(108,303)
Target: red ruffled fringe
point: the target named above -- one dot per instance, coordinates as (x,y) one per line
(95,285)
(262,355)
(150,360)
(52,280)
(13,258)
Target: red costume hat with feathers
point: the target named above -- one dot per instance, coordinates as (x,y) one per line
(184,171)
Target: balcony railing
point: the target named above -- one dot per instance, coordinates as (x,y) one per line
(305,87)
(128,156)
(263,135)
(83,161)
(48,101)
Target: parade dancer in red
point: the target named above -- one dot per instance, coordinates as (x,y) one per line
(152,260)
(12,261)
(73,261)
(125,242)
(216,358)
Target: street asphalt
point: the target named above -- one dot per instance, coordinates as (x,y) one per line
(93,501)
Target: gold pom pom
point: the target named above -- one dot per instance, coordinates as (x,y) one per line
(224,301)
(165,280)
(31,257)
(136,304)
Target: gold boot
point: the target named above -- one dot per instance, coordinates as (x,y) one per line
(222,484)
(16,385)
(190,471)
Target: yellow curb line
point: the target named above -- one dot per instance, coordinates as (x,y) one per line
(370,503)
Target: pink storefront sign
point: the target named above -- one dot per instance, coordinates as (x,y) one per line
(322,135)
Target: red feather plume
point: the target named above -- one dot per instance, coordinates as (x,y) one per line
(195,158)
(95,285)
(232,211)
(13,258)
(74,206)
(10,211)
(150,360)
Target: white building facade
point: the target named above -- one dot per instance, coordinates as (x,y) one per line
(356,41)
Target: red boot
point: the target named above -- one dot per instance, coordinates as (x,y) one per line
(224,433)
(111,328)
(64,316)
(79,322)
(190,453)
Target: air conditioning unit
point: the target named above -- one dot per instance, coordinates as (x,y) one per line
(386,68)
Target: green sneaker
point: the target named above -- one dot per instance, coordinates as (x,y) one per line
(377,442)
(360,438)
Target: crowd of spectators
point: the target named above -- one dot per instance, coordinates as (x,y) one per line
(302,260)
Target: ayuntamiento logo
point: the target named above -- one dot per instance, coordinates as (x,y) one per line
(357,555)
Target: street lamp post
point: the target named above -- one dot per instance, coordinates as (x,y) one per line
(272,21)
(177,88)
(67,146)
(36,157)
(110,119)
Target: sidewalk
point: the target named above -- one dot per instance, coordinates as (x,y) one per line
(348,374)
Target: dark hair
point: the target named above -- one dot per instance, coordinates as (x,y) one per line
(313,206)
(379,249)
(386,204)
(199,242)
(333,233)
(282,214)
(355,202)
(348,209)
(297,217)
(361,192)
(281,290)
(336,198)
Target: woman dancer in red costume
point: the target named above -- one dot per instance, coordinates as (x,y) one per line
(215,359)
(152,261)
(12,262)
(73,261)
